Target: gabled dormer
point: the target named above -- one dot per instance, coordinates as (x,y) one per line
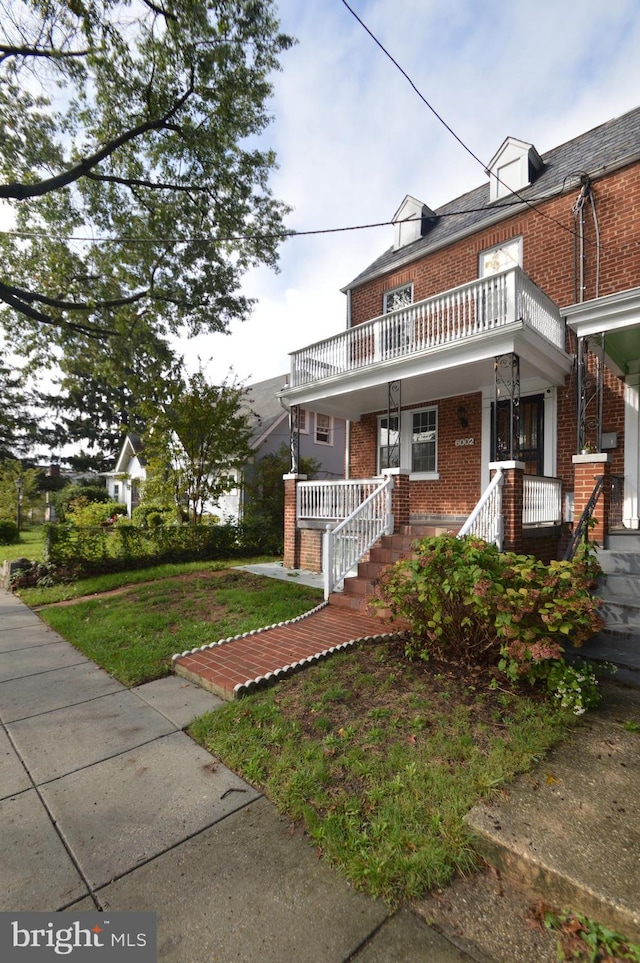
(513,167)
(411,221)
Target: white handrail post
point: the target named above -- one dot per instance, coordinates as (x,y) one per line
(327,560)
(389,519)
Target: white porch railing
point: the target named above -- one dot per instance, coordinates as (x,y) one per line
(345,545)
(485,520)
(449,318)
(541,500)
(332,499)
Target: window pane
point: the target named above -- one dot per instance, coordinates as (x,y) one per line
(388,443)
(398,298)
(423,441)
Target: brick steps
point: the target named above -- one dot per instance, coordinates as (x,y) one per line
(359,591)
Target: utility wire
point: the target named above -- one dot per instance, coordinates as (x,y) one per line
(446,125)
(26,235)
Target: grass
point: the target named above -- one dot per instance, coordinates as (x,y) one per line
(134,634)
(46,595)
(379,760)
(31,545)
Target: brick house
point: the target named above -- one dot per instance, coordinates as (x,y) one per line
(490,365)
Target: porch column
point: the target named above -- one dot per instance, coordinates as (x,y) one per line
(400,496)
(631,512)
(291,558)
(512,504)
(586,469)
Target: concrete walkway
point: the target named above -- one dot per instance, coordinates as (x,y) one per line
(106,804)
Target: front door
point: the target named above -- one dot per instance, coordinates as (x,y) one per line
(530,433)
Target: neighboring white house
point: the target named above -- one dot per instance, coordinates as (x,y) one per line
(322,437)
(123,483)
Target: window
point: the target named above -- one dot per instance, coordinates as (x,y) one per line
(423,441)
(302,421)
(414,446)
(501,258)
(388,448)
(397,298)
(116,491)
(324,429)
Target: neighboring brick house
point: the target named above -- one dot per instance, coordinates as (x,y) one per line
(498,336)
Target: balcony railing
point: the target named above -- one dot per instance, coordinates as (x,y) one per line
(449,318)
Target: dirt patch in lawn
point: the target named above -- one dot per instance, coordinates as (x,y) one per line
(188,577)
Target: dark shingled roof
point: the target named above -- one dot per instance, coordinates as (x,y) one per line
(609,146)
(264,405)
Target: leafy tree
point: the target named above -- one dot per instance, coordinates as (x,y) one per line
(11,472)
(21,427)
(131,165)
(264,491)
(197,445)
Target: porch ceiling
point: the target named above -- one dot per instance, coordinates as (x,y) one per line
(441,372)
(618,317)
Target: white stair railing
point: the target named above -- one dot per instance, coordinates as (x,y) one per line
(485,520)
(344,545)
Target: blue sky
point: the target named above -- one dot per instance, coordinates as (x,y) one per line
(353,138)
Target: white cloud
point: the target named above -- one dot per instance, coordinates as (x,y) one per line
(353,138)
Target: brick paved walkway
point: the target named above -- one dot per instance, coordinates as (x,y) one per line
(235,667)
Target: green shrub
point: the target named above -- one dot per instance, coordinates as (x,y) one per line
(468,603)
(150,514)
(9,534)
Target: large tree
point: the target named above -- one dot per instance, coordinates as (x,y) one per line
(131,163)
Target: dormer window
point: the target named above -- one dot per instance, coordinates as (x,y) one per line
(513,168)
(411,221)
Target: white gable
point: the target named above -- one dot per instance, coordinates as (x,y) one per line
(411,221)
(512,168)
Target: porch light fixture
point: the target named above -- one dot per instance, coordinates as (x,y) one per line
(462,416)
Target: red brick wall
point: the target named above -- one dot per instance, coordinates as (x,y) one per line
(548,250)
(458,488)
(548,259)
(311,550)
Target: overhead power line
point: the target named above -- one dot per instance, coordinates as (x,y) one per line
(435,113)
(256,236)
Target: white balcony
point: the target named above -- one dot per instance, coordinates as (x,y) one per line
(465,326)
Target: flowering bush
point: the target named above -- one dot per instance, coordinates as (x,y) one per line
(467,602)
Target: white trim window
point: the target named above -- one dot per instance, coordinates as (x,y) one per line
(500,258)
(303,424)
(324,429)
(396,298)
(418,448)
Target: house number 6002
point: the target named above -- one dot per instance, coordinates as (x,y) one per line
(463,442)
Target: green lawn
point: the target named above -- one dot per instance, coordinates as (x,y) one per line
(133,635)
(380,759)
(31,545)
(377,758)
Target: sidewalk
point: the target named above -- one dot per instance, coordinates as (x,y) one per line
(105,803)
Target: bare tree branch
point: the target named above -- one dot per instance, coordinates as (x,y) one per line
(15,302)
(20,192)
(7,51)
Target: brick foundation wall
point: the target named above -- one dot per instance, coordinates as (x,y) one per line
(311,550)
